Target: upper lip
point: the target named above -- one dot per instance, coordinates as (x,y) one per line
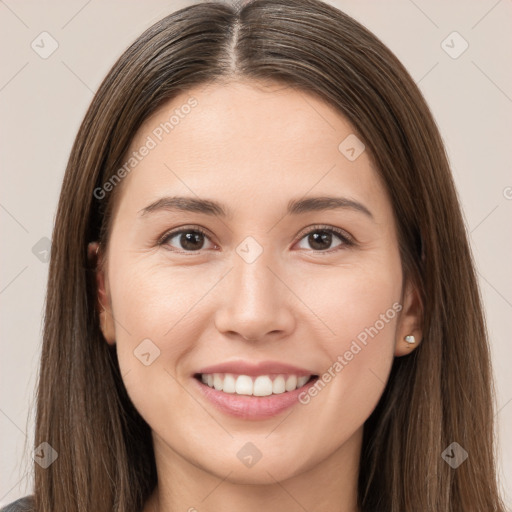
(253,369)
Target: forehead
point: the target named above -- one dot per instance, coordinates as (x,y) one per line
(252,115)
(248,141)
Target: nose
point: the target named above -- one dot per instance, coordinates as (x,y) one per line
(255,303)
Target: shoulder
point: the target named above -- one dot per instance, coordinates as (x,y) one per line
(25,504)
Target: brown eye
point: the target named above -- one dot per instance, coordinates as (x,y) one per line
(322,239)
(186,240)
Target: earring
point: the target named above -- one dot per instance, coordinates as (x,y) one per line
(410,339)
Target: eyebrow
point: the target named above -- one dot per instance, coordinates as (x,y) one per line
(213,208)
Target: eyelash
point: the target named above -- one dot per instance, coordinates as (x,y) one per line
(346,240)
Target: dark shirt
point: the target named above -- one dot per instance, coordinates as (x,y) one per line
(25,504)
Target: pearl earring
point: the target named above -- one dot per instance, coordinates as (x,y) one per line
(410,339)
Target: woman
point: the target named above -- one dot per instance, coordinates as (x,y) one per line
(261,294)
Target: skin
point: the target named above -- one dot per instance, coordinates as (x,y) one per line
(253,147)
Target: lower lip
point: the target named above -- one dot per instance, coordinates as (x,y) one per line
(252,407)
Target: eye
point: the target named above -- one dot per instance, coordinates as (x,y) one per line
(320,238)
(190,239)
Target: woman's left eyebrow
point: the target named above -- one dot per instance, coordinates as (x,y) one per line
(322,203)
(213,208)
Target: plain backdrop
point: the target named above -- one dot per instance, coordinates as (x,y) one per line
(43,101)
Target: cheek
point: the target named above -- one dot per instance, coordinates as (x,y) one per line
(155,301)
(361,307)
(352,298)
(154,322)
(364,317)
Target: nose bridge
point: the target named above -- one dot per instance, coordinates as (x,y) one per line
(253,301)
(253,282)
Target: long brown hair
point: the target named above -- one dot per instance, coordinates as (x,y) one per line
(441,393)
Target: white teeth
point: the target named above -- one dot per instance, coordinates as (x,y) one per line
(229,384)
(291,383)
(301,381)
(243,385)
(218,382)
(278,386)
(262,385)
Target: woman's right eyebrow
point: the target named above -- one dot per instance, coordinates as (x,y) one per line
(189,204)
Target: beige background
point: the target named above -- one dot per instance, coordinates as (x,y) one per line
(42,102)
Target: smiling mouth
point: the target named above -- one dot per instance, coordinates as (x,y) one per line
(257,386)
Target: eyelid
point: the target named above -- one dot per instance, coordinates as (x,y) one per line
(344,235)
(180,229)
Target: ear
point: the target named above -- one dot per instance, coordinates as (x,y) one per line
(103,307)
(410,322)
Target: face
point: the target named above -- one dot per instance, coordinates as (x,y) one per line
(260,285)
